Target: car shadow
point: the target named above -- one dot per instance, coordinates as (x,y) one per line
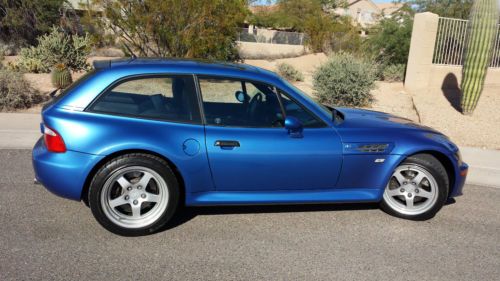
(451,91)
(185,214)
(450,201)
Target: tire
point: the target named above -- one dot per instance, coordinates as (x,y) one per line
(417,189)
(134,194)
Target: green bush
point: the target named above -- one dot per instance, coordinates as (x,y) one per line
(388,42)
(345,80)
(289,72)
(15,92)
(394,73)
(53,48)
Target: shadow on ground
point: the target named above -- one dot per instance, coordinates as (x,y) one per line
(185,214)
(451,91)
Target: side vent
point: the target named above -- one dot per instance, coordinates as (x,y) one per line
(373,147)
(367,148)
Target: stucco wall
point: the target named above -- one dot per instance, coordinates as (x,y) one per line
(252,50)
(422,74)
(449,77)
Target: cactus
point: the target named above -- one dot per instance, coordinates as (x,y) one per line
(61,76)
(483,26)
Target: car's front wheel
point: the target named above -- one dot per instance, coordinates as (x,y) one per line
(417,189)
(134,194)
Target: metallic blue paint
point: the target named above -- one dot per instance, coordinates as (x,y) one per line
(269,166)
(62,173)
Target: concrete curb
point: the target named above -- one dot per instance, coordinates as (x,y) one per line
(22,130)
(484,166)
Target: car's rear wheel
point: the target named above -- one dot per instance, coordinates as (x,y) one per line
(134,194)
(417,189)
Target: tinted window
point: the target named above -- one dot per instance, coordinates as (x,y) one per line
(292,108)
(240,103)
(169,98)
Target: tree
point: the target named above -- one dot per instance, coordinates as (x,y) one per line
(313,17)
(171,28)
(389,40)
(444,8)
(22,21)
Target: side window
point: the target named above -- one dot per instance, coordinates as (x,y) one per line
(240,103)
(293,109)
(170,98)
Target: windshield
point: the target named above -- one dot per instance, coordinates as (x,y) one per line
(304,95)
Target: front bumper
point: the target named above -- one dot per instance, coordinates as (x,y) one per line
(63,174)
(460,177)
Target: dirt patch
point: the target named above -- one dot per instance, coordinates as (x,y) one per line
(482,129)
(392,98)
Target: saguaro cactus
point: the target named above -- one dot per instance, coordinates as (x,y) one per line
(483,26)
(61,76)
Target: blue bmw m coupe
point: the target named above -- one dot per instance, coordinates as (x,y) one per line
(135,138)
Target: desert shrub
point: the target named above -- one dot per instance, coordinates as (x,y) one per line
(394,73)
(15,92)
(289,72)
(12,66)
(53,48)
(345,80)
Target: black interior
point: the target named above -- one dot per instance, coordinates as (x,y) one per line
(260,108)
(181,107)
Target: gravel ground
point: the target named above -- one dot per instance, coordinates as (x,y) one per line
(482,129)
(43,237)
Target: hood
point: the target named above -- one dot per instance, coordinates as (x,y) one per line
(369,119)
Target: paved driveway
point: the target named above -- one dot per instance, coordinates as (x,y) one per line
(44,237)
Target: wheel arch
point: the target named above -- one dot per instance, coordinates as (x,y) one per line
(445,161)
(93,171)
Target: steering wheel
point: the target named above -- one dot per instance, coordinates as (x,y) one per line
(253,105)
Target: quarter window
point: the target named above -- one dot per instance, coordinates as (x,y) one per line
(170,98)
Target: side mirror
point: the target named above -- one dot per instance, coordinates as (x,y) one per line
(294,127)
(240,96)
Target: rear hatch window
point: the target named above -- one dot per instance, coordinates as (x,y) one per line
(64,92)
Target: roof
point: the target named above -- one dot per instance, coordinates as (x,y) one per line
(263,8)
(206,66)
(370,2)
(389,8)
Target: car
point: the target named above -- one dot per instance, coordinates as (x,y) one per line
(136,138)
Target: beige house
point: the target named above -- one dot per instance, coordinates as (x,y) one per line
(367,12)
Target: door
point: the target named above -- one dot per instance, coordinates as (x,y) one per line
(250,150)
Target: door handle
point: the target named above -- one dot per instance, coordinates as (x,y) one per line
(227,143)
